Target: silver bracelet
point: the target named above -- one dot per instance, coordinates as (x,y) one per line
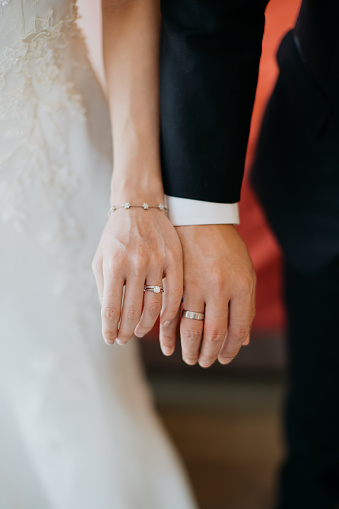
(144,206)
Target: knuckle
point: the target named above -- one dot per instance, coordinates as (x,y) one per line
(174,256)
(191,335)
(214,337)
(112,264)
(166,337)
(167,341)
(157,257)
(171,257)
(153,309)
(218,280)
(109,334)
(110,313)
(193,283)
(140,257)
(132,314)
(239,331)
(245,285)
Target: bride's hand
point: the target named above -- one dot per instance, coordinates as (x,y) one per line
(138,247)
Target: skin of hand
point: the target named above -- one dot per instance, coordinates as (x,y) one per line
(137,247)
(219,280)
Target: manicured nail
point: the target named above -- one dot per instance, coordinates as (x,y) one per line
(166,324)
(167,350)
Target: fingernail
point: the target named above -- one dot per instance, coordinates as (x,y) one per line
(166,324)
(109,341)
(120,342)
(225,360)
(167,350)
(205,364)
(190,362)
(139,334)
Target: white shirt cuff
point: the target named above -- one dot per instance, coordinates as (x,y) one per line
(184,212)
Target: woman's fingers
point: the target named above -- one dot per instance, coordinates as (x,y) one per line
(171,306)
(132,307)
(111,306)
(173,285)
(99,276)
(168,302)
(215,329)
(152,305)
(191,330)
(173,291)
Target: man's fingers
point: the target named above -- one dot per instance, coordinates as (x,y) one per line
(132,308)
(240,319)
(111,306)
(191,330)
(215,328)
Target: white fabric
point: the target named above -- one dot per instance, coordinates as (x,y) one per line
(77,427)
(184,212)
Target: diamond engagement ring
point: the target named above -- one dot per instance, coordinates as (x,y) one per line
(192,315)
(154,289)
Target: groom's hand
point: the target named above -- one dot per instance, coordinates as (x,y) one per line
(219,281)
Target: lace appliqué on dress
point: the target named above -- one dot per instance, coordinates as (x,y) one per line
(38,100)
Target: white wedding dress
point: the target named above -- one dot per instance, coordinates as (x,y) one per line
(77,424)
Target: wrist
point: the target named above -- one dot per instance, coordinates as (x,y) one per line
(136,193)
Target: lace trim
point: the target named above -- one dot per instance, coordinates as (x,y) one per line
(37,100)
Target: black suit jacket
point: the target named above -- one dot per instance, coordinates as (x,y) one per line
(210,53)
(296,169)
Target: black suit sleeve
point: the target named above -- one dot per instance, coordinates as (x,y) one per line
(210,52)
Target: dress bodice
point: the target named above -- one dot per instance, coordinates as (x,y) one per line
(42,61)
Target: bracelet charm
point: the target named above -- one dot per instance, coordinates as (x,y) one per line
(144,206)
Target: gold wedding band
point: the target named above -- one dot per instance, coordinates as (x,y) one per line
(192,315)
